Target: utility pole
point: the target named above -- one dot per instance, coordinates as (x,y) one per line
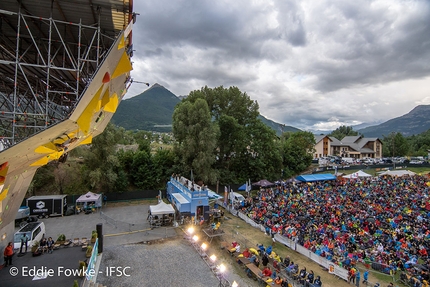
(394,162)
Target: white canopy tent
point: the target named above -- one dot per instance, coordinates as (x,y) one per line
(401,172)
(91,197)
(357,174)
(159,214)
(161,208)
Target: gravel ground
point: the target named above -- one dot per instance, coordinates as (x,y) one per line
(171,263)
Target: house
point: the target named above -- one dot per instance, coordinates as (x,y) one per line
(322,146)
(356,147)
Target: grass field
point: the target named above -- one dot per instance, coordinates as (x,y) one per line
(238,230)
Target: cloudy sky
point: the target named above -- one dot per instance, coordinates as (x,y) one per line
(314,65)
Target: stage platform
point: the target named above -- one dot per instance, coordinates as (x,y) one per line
(211,233)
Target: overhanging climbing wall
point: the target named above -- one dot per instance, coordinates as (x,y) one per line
(64,68)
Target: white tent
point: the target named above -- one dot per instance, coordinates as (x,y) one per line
(161,208)
(397,172)
(91,197)
(357,174)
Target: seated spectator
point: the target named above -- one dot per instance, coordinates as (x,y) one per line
(237,247)
(284,283)
(266,272)
(50,245)
(43,245)
(290,267)
(278,280)
(261,249)
(303,272)
(310,278)
(246,253)
(318,281)
(286,261)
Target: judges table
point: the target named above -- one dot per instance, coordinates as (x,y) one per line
(257,272)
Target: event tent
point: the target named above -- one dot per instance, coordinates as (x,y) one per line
(263,183)
(397,172)
(316,177)
(91,197)
(161,208)
(357,174)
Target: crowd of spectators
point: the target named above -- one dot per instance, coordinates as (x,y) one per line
(381,222)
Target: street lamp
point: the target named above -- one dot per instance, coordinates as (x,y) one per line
(195,239)
(203,248)
(221,269)
(212,260)
(190,230)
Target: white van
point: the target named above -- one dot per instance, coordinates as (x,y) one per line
(35,231)
(236,198)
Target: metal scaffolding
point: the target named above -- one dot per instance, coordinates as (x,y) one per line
(46,64)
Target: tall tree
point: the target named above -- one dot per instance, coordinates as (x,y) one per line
(343,131)
(142,170)
(395,144)
(298,150)
(195,138)
(102,160)
(245,147)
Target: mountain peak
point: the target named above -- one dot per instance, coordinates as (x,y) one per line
(415,122)
(156,85)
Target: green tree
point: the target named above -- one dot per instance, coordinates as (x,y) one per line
(101,162)
(395,144)
(195,138)
(164,161)
(343,131)
(142,171)
(298,149)
(245,147)
(261,157)
(143,138)
(419,144)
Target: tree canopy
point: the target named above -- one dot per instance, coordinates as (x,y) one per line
(218,129)
(342,132)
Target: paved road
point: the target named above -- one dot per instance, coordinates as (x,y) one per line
(127,221)
(174,262)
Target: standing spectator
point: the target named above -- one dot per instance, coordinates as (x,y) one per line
(357,278)
(8,253)
(265,260)
(24,242)
(365,276)
(351,275)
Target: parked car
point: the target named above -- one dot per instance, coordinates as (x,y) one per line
(414,161)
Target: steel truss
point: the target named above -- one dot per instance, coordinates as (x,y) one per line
(45,66)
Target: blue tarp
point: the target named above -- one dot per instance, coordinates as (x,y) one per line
(316,177)
(242,187)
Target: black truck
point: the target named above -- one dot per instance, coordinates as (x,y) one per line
(47,205)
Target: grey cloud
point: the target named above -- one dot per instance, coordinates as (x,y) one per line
(313,61)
